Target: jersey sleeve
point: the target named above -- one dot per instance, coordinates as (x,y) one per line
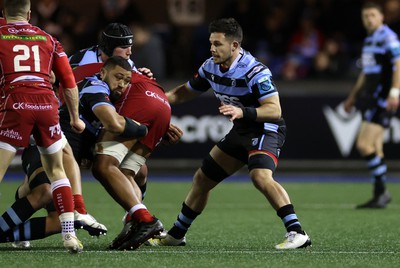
(393,47)
(199,82)
(93,100)
(261,83)
(61,67)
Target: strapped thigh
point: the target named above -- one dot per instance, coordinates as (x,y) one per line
(212,170)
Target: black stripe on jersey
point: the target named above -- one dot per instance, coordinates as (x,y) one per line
(229,82)
(255,70)
(76,58)
(377,44)
(199,83)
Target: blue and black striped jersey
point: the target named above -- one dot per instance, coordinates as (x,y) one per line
(90,55)
(245,83)
(380,50)
(93,92)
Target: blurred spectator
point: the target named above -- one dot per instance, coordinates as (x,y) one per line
(304,45)
(272,30)
(271,47)
(148,50)
(64,24)
(121,11)
(46,14)
(247,13)
(391,10)
(332,61)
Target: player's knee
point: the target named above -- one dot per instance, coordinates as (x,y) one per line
(262,178)
(212,170)
(141,176)
(364,148)
(40,196)
(262,161)
(103,167)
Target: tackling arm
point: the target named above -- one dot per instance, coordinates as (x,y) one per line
(180,94)
(119,125)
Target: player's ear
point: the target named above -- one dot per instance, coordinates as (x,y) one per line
(103,73)
(235,45)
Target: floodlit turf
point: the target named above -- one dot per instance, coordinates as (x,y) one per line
(238,229)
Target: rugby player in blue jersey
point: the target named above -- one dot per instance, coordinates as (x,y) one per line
(376,95)
(115,40)
(250,100)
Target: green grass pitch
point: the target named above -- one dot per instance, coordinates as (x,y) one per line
(237,229)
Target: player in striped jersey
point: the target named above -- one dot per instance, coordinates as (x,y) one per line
(250,99)
(376,94)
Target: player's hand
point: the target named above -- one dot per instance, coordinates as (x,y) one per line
(348,104)
(86,163)
(231,111)
(78,126)
(173,135)
(147,72)
(392,104)
(52,78)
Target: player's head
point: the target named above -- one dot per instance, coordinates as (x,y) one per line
(229,27)
(226,35)
(117,73)
(372,16)
(17,9)
(116,36)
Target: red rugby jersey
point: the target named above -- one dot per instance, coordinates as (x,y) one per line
(27,56)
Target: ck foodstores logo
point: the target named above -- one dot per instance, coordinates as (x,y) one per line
(345,127)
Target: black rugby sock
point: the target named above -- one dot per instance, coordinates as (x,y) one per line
(18,213)
(183,222)
(289,219)
(378,169)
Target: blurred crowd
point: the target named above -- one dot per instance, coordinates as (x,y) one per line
(296,39)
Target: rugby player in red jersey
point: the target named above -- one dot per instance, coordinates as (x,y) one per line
(29,106)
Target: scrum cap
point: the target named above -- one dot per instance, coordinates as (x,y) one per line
(115,35)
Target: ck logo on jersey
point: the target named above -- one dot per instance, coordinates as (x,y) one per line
(157,97)
(254,141)
(32,106)
(55,130)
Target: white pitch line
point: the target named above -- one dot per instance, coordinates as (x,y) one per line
(245,252)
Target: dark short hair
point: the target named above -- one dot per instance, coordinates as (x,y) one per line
(15,8)
(228,26)
(113,61)
(372,4)
(115,35)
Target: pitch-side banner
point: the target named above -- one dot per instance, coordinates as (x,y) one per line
(318,128)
